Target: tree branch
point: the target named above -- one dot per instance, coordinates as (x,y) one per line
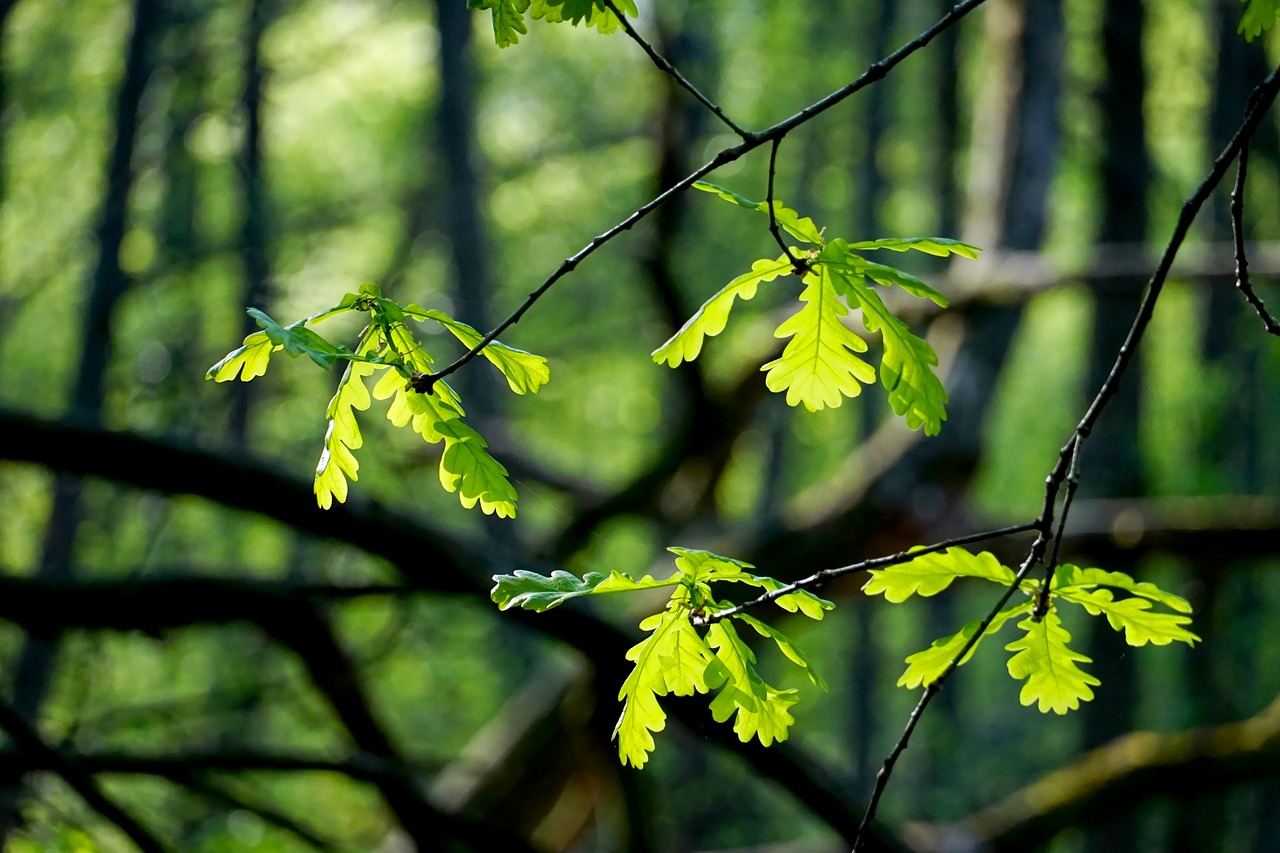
(1237,232)
(874,74)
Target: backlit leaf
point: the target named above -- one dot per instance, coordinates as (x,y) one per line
(1068,577)
(802,228)
(1134,616)
(926,666)
(818,367)
(1053,678)
(930,574)
(939,246)
(788,648)
(524,371)
(710,319)
(762,711)
(248,362)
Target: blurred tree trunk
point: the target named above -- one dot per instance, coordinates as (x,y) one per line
(108,282)
(1111,464)
(254,228)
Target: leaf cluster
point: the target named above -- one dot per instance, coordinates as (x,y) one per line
(676,659)
(509,15)
(1042,657)
(387,344)
(821,363)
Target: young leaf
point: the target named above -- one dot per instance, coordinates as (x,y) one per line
(672,659)
(1068,577)
(296,339)
(508,19)
(337,461)
(1259,16)
(939,246)
(710,319)
(802,228)
(930,574)
(762,711)
(1049,666)
(525,372)
(788,648)
(1134,616)
(467,468)
(818,367)
(249,361)
(906,369)
(926,666)
(593,12)
(532,591)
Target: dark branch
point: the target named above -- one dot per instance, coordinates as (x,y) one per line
(798,267)
(1237,231)
(31,747)
(667,67)
(1261,101)
(872,75)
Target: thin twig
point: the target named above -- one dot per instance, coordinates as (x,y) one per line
(1261,102)
(798,266)
(1237,232)
(665,66)
(817,579)
(1073,482)
(873,74)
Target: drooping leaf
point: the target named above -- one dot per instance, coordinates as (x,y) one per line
(930,574)
(1053,678)
(1068,577)
(926,666)
(710,319)
(672,659)
(1259,16)
(802,228)
(508,19)
(838,255)
(337,461)
(788,648)
(593,12)
(1141,625)
(818,367)
(525,372)
(248,362)
(762,711)
(906,369)
(939,246)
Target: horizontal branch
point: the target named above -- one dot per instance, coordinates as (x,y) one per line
(1113,780)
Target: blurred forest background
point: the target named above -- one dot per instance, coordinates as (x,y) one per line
(197,658)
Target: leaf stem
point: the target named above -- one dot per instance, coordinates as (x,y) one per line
(817,579)
(798,266)
(751,141)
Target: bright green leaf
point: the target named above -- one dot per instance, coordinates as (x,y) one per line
(788,648)
(249,361)
(337,461)
(508,19)
(762,711)
(1259,16)
(710,319)
(939,246)
(818,367)
(1067,577)
(532,591)
(930,574)
(906,369)
(926,666)
(802,228)
(1050,668)
(672,659)
(525,372)
(1134,616)
(296,339)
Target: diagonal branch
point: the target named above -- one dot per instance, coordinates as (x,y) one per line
(1261,100)
(667,67)
(33,747)
(1237,232)
(874,74)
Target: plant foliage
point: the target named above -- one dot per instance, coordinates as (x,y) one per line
(1043,660)
(1259,16)
(509,15)
(431,409)
(675,658)
(821,363)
